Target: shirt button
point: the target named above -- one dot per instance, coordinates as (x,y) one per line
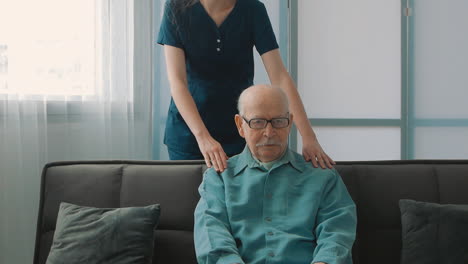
(271,254)
(270,233)
(218,40)
(218,49)
(268,219)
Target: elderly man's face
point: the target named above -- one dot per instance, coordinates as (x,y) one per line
(269,143)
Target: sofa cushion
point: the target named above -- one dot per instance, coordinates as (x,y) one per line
(434,233)
(104,235)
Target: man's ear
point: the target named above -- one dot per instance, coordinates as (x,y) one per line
(239,120)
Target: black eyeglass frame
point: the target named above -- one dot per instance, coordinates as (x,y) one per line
(267,121)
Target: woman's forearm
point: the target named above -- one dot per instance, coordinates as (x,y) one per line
(175,63)
(280,77)
(187,109)
(211,149)
(296,106)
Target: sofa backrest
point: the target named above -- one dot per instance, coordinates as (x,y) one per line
(375,186)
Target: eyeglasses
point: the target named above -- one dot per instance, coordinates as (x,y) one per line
(261,123)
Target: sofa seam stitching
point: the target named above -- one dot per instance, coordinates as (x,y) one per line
(120,182)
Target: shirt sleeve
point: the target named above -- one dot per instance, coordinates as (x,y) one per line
(214,242)
(336,224)
(264,37)
(170,28)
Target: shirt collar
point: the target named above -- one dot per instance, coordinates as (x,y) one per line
(247,160)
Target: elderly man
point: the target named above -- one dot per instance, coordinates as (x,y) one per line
(269,205)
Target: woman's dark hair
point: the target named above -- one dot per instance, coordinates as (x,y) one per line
(179,6)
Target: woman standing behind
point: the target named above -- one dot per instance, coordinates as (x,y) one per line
(208,46)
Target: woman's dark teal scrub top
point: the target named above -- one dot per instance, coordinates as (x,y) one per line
(220,65)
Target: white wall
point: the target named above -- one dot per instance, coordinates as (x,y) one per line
(440,78)
(349,67)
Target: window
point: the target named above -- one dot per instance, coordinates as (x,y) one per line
(53,55)
(349,76)
(382,81)
(3,67)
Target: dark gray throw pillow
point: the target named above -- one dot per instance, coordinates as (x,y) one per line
(104,235)
(434,233)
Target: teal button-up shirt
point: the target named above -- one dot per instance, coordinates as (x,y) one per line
(293,213)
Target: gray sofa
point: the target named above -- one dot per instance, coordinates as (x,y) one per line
(376,187)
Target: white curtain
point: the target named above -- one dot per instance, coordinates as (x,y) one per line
(69,90)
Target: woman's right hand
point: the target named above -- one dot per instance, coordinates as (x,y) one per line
(213,153)
(211,150)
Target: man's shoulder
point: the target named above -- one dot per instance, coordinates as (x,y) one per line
(233,164)
(297,160)
(232,161)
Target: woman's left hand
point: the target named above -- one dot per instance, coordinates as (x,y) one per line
(312,151)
